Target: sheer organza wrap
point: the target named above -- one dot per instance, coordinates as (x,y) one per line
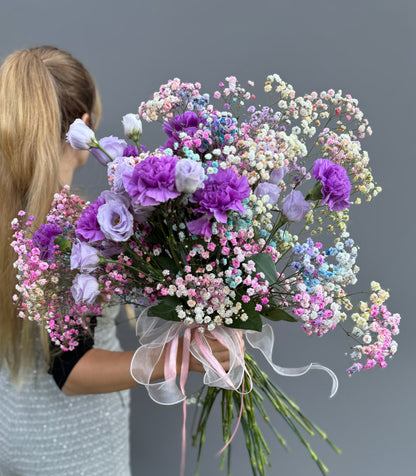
(155,334)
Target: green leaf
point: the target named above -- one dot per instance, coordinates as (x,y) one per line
(265,264)
(254,321)
(315,193)
(64,244)
(166,263)
(166,309)
(277,314)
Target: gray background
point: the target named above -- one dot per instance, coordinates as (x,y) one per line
(365,47)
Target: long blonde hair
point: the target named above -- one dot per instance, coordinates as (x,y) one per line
(42,91)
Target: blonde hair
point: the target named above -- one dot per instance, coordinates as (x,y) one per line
(42,91)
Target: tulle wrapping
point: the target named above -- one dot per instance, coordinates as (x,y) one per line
(155,334)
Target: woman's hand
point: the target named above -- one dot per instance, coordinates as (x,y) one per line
(219,352)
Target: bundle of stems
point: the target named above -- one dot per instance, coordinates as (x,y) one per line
(251,404)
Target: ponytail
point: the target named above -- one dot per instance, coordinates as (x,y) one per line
(35,111)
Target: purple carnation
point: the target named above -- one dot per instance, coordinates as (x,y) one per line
(44,239)
(295,207)
(152,181)
(112,145)
(133,151)
(336,186)
(187,122)
(88,228)
(223,191)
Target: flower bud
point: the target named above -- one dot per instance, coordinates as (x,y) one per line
(132,126)
(80,136)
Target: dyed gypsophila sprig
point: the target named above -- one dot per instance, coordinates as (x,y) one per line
(375,327)
(43,283)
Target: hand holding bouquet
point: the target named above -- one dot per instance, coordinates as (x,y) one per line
(215,232)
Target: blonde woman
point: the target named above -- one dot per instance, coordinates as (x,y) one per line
(74,419)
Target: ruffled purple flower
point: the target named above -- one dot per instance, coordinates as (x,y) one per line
(88,228)
(187,122)
(269,189)
(201,226)
(44,240)
(112,145)
(336,186)
(223,191)
(133,151)
(115,221)
(84,257)
(295,207)
(152,181)
(85,288)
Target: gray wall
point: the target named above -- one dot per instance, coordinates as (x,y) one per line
(364,47)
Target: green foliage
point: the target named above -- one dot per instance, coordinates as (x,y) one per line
(166,263)
(277,314)
(265,264)
(166,309)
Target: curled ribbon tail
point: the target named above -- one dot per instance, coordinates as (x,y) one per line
(264,341)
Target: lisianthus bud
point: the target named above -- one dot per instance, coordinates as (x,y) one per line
(277,175)
(85,288)
(295,207)
(112,145)
(84,257)
(189,175)
(269,189)
(80,136)
(132,126)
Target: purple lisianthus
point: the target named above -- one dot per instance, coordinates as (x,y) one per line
(88,227)
(295,207)
(189,175)
(80,136)
(44,239)
(109,248)
(84,257)
(85,288)
(266,188)
(110,195)
(141,214)
(223,191)
(336,186)
(112,145)
(115,221)
(152,181)
(187,122)
(277,175)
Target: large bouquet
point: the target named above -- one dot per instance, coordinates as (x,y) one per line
(215,233)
